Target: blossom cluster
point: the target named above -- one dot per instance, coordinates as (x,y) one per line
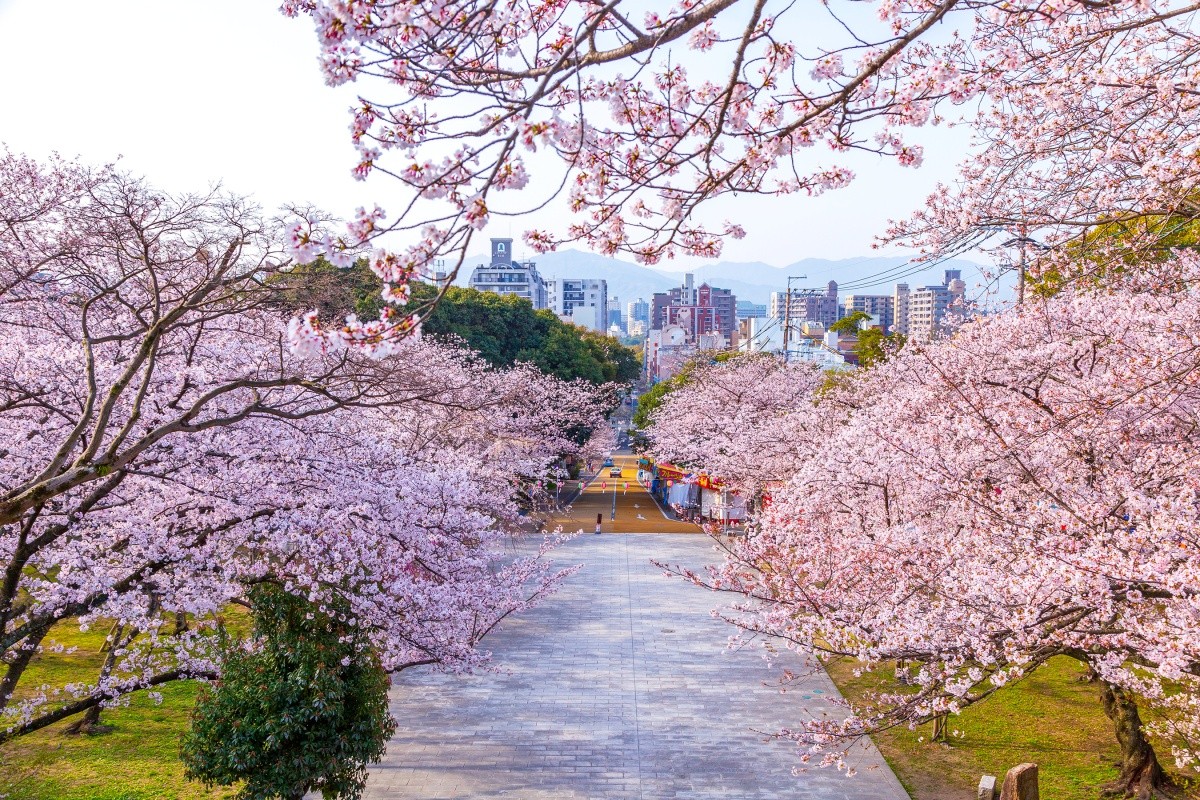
(975,506)
(163,449)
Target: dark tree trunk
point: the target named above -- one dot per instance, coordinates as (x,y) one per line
(1141,774)
(16,667)
(115,643)
(87,724)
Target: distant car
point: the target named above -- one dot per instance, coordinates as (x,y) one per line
(608,462)
(615,472)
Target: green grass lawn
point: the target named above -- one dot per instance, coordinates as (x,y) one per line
(1052,718)
(138,759)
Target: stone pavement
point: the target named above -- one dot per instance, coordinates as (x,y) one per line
(616,687)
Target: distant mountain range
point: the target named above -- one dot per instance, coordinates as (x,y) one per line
(753,281)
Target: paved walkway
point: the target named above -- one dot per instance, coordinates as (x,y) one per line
(617,687)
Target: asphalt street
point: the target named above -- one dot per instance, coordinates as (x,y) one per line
(604,494)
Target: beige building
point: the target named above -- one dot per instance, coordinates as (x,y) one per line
(930,306)
(880,306)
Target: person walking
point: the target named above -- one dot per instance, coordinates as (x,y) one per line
(599,519)
(625,488)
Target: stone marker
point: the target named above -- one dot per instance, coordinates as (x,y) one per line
(1021,783)
(987,788)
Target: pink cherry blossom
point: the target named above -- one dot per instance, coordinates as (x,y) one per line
(975,506)
(163,448)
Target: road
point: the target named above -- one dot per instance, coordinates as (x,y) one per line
(636,511)
(619,687)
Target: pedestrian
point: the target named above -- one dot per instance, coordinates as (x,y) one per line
(599,519)
(626,488)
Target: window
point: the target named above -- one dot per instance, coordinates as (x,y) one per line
(499,247)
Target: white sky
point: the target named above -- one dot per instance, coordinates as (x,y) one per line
(191,92)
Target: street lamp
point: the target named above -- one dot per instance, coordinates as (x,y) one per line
(1023,240)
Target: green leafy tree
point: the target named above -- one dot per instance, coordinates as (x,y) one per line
(563,353)
(502,329)
(621,363)
(850,323)
(332,291)
(1110,249)
(872,345)
(304,709)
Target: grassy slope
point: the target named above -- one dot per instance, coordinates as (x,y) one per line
(1053,718)
(138,759)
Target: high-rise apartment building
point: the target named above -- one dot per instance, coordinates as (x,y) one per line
(503,275)
(583,301)
(900,309)
(879,306)
(748,309)
(637,311)
(616,315)
(807,305)
(929,306)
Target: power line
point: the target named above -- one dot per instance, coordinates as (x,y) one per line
(908,268)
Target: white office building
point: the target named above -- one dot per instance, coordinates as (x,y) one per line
(506,276)
(582,301)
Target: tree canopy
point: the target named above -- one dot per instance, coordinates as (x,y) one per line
(653,398)
(977,505)
(503,329)
(165,450)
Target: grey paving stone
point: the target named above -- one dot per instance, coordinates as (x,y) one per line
(617,687)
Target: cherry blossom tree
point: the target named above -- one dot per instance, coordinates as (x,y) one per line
(164,449)
(1091,121)
(637,120)
(1076,410)
(725,418)
(974,507)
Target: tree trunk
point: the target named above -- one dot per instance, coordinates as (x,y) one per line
(117,640)
(16,667)
(87,724)
(939,728)
(1141,774)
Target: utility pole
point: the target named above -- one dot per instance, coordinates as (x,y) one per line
(787,319)
(1024,242)
(787,316)
(1021,270)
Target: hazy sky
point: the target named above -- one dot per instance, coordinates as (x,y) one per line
(191,92)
